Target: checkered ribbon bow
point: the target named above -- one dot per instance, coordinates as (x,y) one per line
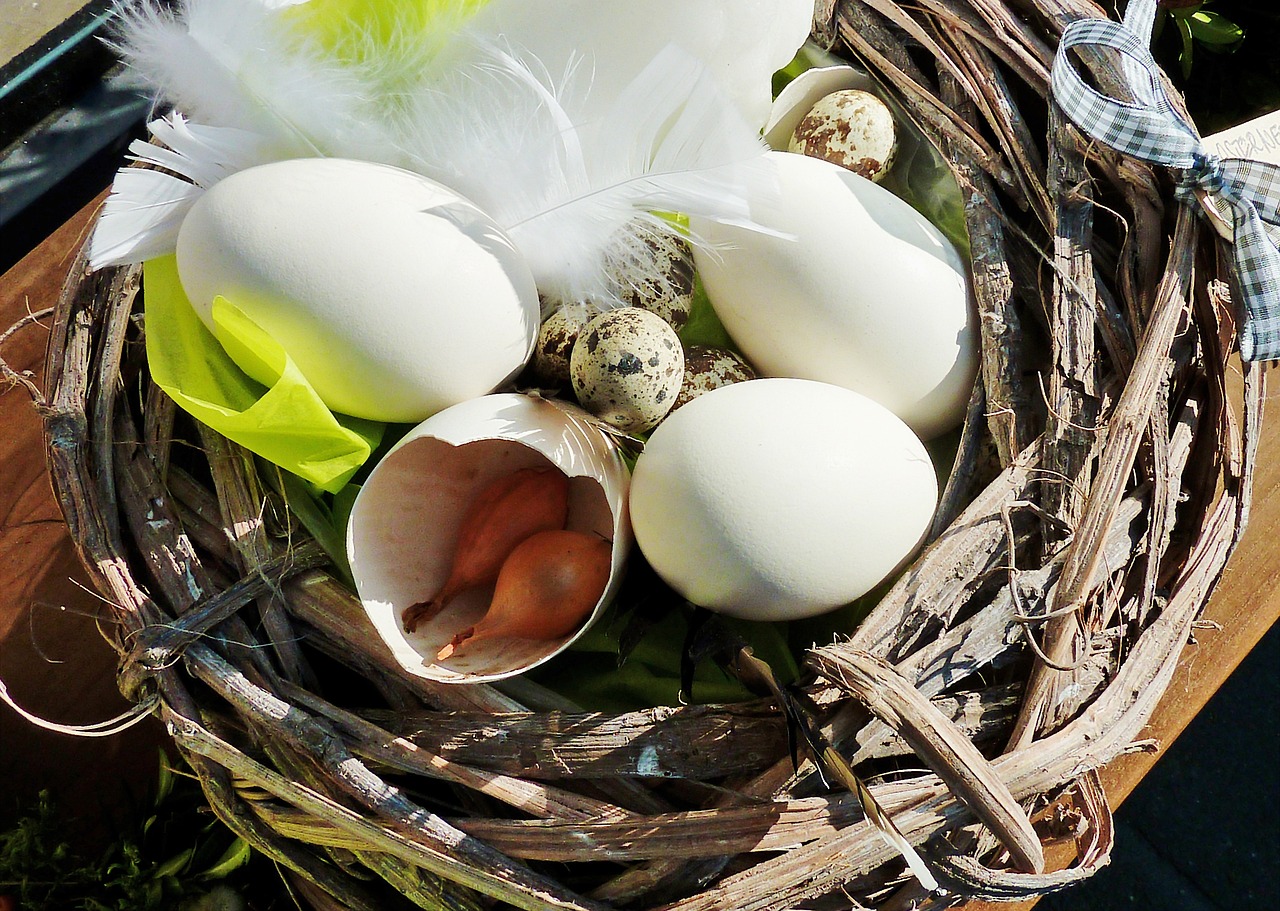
(1244,193)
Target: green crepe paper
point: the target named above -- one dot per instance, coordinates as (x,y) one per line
(242,383)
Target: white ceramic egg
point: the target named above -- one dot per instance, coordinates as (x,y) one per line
(403,532)
(849,286)
(395,296)
(776,499)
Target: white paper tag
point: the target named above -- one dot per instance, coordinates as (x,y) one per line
(1258,139)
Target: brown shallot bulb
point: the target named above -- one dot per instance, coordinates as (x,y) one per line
(505,513)
(549,583)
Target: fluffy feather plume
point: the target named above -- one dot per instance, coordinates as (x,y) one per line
(242,64)
(412,85)
(268,80)
(579,198)
(142,215)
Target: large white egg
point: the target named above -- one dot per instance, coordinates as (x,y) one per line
(854,288)
(395,296)
(775,499)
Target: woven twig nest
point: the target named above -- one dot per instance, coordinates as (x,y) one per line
(1101,483)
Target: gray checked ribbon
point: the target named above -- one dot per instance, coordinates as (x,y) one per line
(1245,193)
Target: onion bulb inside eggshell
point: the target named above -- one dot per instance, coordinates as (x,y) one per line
(403,537)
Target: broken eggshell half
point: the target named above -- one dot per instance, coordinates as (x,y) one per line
(406,519)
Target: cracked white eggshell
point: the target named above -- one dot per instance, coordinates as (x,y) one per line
(799,95)
(777,499)
(405,522)
(849,286)
(395,296)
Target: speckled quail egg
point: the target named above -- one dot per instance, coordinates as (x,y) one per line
(853,129)
(656,274)
(708,367)
(626,368)
(550,363)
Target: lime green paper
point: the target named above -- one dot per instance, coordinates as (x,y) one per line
(208,374)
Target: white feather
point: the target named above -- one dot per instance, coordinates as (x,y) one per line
(142,215)
(575,190)
(141,218)
(574,195)
(238,63)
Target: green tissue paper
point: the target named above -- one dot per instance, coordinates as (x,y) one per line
(211,376)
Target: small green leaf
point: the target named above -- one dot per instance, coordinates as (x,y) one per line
(318,518)
(1214,30)
(1182,9)
(704,326)
(232,859)
(174,865)
(164,783)
(1188,47)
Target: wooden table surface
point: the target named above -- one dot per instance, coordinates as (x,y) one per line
(55,664)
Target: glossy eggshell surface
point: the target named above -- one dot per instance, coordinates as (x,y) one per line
(777,499)
(853,287)
(404,526)
(395,296)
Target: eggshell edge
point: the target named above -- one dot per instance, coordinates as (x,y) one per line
(539,425)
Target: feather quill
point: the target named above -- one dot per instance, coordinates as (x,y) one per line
(578,197)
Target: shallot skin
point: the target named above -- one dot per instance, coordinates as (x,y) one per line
(547,585)
(503,515)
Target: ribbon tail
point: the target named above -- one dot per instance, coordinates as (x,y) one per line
(1257,273)
(1258,182)
(1140,17)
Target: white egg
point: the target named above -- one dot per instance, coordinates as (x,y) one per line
(776,499)
(854,287)
(394,296)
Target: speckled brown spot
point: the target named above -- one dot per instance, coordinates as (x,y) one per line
(706,368)
(853,129)
(627,368)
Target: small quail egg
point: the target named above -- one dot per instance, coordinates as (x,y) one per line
(708,367)
(550,364)
(657,276)
(626,368)
(853,129)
